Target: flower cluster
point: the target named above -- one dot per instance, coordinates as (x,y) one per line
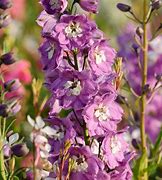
(11,146)
(130,51)
(78,65)
(4,17)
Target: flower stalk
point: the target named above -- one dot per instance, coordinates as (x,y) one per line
(143,97)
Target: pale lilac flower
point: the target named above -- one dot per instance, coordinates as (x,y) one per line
(101,57)
(114,148)
(102,114)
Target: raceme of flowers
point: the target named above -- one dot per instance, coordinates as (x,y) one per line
(78,65)
(129,50)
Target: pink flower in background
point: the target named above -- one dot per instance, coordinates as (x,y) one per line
(19,70)
(18,9)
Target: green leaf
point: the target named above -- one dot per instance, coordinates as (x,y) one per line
(64,113)
(15,178)
(157,144)
(140,166)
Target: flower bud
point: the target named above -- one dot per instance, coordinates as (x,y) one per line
(135,144)
(12,85)
(123,7)
(15,107)
(5,4)
(4,20)
(3,110)
(89,5)
(20,150)
(121,99)
(139,31)
(7,58)
(159,77)
(156,4)
(146,89)
(135,48)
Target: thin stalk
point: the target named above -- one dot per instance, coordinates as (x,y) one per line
(143,97)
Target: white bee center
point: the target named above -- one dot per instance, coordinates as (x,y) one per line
(102,113)
(115,145)
(73,30)
(80,164)
(99,56)
(74,87)
(59,135)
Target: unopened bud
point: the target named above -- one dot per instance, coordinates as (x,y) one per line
(20,150)
(4,20)
(12,85)
(135,48)
(123,7)
(139,31)
(159,77)
(3,110)
(121,99)
(135,144)
(7,58)
(156,4)
(5,4)
(146,89)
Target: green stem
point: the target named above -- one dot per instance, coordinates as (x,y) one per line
(86,136)
(143,97)
(2,165)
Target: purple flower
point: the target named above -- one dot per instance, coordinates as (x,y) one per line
(102,114)
(47,22)
(73,31)
(63,131)
(54,6)
(123,171)
(7,58)
(114,148)
(51,54)
(73,89)
(86,165)
(153,121)
(101,57)
(89,5)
